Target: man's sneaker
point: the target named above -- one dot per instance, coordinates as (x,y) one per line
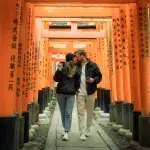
(65,137)
(87,133)
(82,137)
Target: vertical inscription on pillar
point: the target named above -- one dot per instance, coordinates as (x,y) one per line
(31,61)
(12,73)
(133,33)
(14,46)
(19,65)
(143,28)
(28,54)
(124,36)
(117,42)
(24,76)
(110,55)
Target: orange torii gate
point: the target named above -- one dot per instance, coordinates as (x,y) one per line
(26,60)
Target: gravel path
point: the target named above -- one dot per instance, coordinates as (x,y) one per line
(119,140)
(41,134)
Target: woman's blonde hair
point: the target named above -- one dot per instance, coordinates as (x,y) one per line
(71,68)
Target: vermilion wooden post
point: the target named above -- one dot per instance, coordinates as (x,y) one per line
(30,50)
(50,69)
(49,66)
(134,73)
(21,44)
(38,67)
(33,64)
(98,47)
(98,55)
(134,58)
(144,57)
(100,63)
(34,57)
(43,51)
(9,56)
(28,65)
(111,72)
(106,59)
(38,28)
(106,74)
(111,62)
(9,52)
(105,70)
(102,60)
(32,54)
(26,75)
(91,55)
(41,63)
(125,47)
(118,57)
(25,56)
(45,61)
(118,68)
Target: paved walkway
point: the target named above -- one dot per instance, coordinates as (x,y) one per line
(97,141)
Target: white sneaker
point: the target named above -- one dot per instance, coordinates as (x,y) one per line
(82,137)
(62,134)
(87,133)
(65,137)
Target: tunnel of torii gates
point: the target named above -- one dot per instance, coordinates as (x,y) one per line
(119,45)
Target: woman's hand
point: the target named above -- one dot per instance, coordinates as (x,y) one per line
(60,66)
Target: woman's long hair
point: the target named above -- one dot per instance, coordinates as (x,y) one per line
(71,68)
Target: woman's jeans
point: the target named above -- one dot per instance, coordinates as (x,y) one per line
(66,103)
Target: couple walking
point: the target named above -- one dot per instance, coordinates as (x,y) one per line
(77,76)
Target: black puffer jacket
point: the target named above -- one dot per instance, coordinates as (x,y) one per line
(66,85)
(92,71)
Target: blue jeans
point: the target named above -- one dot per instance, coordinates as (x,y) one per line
(66,103)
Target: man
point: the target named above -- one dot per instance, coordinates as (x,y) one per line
(90,76)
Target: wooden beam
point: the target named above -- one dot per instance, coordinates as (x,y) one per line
(66,41)
(75,5)
(78,19)
(85,1)
(70,12)
(70,34)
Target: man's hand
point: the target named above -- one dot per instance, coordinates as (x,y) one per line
(90,80)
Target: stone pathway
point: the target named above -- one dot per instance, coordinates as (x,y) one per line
(98,140)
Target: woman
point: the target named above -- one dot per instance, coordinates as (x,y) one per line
(68,84)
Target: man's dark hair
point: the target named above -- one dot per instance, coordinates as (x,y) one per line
(80,52)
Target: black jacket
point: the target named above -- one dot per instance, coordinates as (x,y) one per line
(66,85)
(92,71)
